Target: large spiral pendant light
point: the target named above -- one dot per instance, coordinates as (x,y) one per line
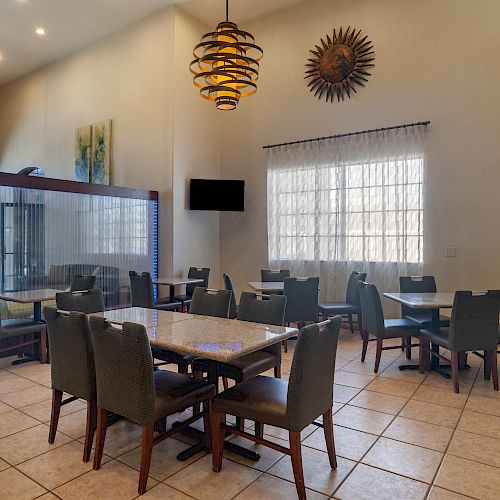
(226,65)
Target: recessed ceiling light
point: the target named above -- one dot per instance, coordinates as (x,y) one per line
(40,31)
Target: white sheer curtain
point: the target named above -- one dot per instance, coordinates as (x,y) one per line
(351,203)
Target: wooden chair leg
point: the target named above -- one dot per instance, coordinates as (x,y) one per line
(182,369)
(365,345)
(206,426)
(494,369)
(102,424)
(378,355)
(197,375)
(259,430)
(277,371)
(54,415)
(285,346)
(330,441)
(360,325)
(423,355)
(43,346)
(161,425)
(90,429)
(454,371)
(147,449)
(240,423)
(296,456)
(216,419)
(408,347)
(487,365)
(350,323)
(225,383)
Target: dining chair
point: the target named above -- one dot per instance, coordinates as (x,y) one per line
(81,282)
(382,329)
(352,304)
(291,405)
(72,368)
(228,285)
(87,301)
(18,333)
(128,386)
(141,286)
(194,273)
(473,327)
(301,301)
(270,275)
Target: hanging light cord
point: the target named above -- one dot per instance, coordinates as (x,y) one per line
(227,10)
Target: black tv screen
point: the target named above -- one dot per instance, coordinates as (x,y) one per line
(213,194)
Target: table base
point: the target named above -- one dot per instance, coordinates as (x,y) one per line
(27,358)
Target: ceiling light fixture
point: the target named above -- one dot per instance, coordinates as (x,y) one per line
(226,65)
(40,31)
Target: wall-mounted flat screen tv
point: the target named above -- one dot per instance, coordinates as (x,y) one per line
(214,194)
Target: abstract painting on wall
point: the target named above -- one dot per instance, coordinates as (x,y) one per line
(101,152)
(83,152)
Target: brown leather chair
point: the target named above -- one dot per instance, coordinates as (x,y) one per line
(128,386)
(289,405)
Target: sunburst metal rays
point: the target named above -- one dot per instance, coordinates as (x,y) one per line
(340,64)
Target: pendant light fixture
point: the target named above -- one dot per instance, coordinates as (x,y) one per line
(226,65)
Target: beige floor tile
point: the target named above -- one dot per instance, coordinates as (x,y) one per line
(336,407)
(432,413)
(356,366)
(364,420)
(441,494)
(27,396)
(343,394)
(42,410)
(443,397)
(3,465)
(5,408)
(392,386)
(57,466)
(481,404)
(268,487)
(29,443)
(469,478)
(283,434)
(74,424)
(33,371)
(318,475)
(368,483)
(484,388)
(434,437)
(121,437)
(394,372)
(348,442)
(10,383)
(199,478)
(379,402)
(15,485)
(113,481)
(475,447)
(466,379)
(353,379)
(405,459)
(48,496)
(480,423)
(15,421)
(163,492)
(163,461)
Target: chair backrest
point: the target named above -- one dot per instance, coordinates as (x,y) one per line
(202,273)
(228,285)
(141,289)
(474,321)
(71,353)
(269,312)
(81,282)
(88,301)
(416,284)
(352,293)
(310,388)
(371,309)
(124,370)
(302,299)
(274,275)
(210,302)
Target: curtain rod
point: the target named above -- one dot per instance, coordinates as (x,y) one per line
(360,132)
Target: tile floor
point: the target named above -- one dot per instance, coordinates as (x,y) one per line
(399,435)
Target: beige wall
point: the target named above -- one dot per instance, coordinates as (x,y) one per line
(435,60)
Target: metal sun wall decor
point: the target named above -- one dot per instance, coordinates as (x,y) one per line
(339,64)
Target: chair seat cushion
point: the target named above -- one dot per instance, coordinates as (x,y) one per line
(17,327)
(176,391)
(440,338)
(168,306)
(333,308)
(262,399)
(248,366)
(401,327)
(171,356)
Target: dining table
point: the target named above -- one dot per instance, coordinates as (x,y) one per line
(173,282)
(217,340)
(428,301)
(267,286)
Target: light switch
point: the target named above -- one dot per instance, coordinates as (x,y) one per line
(450,252)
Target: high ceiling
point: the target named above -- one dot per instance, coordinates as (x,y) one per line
(73,24)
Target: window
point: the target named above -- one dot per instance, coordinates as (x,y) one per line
(360,211)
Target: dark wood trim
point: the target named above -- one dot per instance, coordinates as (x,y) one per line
(49,184)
